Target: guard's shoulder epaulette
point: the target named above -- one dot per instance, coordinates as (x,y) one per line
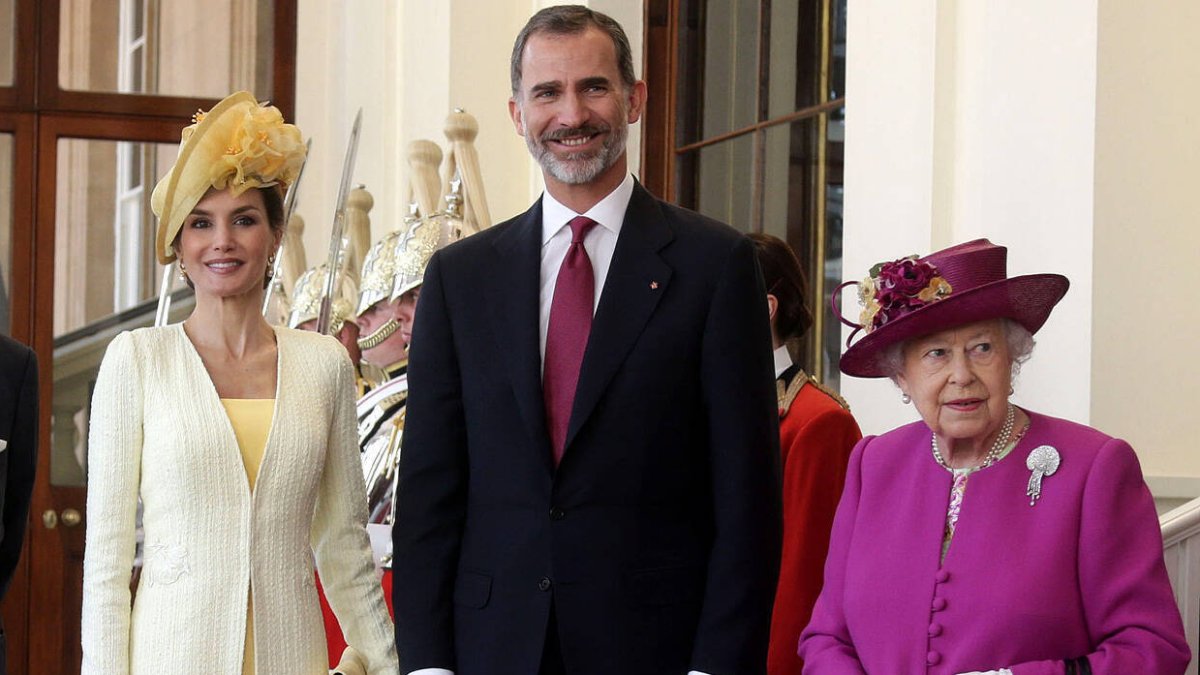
(829,392)
(786,396)
(390,401)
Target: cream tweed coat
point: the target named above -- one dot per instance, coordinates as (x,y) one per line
(158,431)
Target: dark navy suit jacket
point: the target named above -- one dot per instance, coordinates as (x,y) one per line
(18,458)
(657,538)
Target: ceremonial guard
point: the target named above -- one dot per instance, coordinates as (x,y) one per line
(390,288)
(305,308)
(308,290)
(387,323)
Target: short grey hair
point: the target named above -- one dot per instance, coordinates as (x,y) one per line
(1018,338)
(572,20)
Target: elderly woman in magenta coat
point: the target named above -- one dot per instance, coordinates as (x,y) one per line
(984,538)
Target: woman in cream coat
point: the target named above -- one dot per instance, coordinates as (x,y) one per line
(240,440)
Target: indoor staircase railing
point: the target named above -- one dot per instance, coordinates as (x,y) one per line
(1181,551)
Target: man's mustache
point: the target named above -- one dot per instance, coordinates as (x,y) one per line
(575,132)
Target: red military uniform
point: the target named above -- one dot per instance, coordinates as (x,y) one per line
(817,433)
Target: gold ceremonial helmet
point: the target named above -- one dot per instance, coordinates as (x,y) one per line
(379,270)
(240,144)
(426,237)
(306,299)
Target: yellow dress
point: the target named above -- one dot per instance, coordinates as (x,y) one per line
(251,421)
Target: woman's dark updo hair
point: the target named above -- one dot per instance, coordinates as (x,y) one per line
(273,202)
(272,197)
(784,278)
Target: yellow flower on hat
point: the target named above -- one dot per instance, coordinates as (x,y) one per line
(240,144)
(866,298)
(937,289)
(263,151)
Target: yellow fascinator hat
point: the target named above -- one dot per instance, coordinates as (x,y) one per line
(240,144)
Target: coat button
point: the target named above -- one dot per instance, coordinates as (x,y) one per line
(942,576)
(939,604)
(557,513)
(544,584)
(935,629)
(933,658)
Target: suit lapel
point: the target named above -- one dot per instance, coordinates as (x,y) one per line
(637,278)
(513,303)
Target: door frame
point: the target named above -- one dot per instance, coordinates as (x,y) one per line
(38,112)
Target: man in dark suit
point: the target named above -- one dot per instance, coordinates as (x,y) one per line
(589,473)
(18,455)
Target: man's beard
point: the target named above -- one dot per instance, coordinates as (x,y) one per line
(578,168)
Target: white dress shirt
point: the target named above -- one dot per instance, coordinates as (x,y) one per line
(599,243)
(783,360)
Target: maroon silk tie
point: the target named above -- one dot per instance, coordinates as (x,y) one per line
(567,335)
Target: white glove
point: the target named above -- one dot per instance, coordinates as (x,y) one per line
(352,663)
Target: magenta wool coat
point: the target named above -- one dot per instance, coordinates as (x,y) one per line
(1079,573)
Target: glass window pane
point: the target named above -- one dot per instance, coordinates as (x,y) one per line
(790,175)
(837,47)
(138,18)
(6,217)
(802,204)
(719,67)
(106,278)
(8,39)
(723,184)
(202,48)
(835,273)
(137,69)
(788,180)
(795,56)
(785,180)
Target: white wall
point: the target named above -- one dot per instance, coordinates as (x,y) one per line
(888,163)
(1147,240)
(975,120)
(1068,132)
(408,64)
(341,51)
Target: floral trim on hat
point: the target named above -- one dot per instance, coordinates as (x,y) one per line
(896,288)
(262,150)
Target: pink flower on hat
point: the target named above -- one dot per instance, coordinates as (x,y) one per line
(906,276)
(897,288)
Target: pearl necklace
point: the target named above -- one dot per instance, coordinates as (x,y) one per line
(998,446)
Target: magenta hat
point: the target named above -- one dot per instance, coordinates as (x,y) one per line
(911,297)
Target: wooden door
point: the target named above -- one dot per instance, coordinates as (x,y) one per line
(76,263)
(16,203)
(80,150)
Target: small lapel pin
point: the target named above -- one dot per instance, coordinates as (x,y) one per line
(1043,461)
(654,285)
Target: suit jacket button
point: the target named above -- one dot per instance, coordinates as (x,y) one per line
(557,513)
(933,658)
(544,584)
(939,604)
